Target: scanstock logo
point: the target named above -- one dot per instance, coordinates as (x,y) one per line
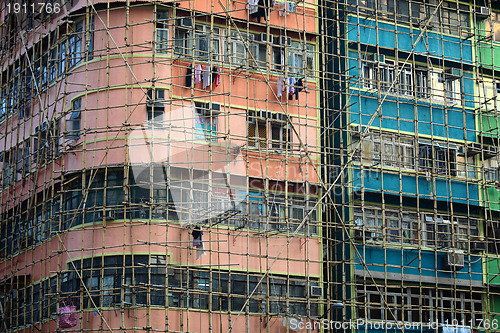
(178,154)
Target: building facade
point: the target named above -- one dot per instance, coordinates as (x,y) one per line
(249,166)
(161,166)
(416,156)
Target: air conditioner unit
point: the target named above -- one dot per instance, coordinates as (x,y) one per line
(455,260)
(215,108)
(473,148)
(203,109)
(264,114)
(478,246)
(454,73)
(266,38)
(482,12)
(107,215)
(490,151)
(283,40)
(278,116)
(316,291)
(375,57)
(185,22)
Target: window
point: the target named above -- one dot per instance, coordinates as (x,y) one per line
(73,124)
(425,304)
(452,88)
(449,18)
(204,41)
(497,95)
(375,224)
(236,49)
(237,54)
(260,123)
(206,121)
(8,159)
(61,58)
(186,288)
(4,104)
(155,107)
(466,166)
(422,83)
(438,158)
(259,52)
(47,142)
(75,44)
(368,224)
(442,231)
(386,150)
(284,215)
(162,31)
(23,163)
(280,136)
(387,77)
(493,27)
(411,81)
(278,57)
(301,59)
(52,64)
(491,170)
(257,133)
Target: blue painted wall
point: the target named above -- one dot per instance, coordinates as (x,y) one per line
(452,48)
(411,260)
(446,126)
(456,189)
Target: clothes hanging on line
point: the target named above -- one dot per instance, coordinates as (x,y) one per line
(252,6)
(263,5)
(189,76)
(197,234)
(281,86)
(216,76)
(197,74)
(298,88)
(217,79)
(206,76)
(291,87)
